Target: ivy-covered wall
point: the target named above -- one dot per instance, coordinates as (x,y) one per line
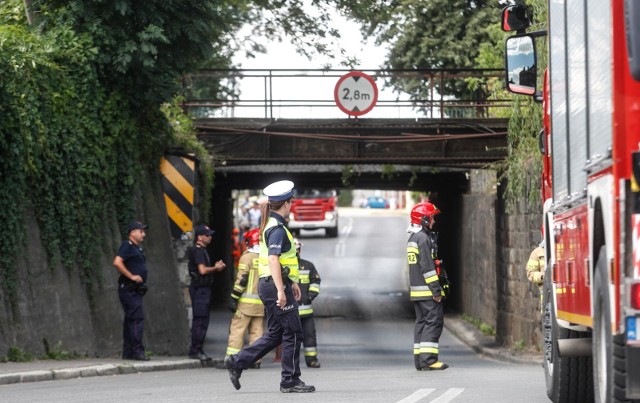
(78,161)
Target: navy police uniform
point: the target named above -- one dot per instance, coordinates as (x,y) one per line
(283,323)
(131,300)
(200,291)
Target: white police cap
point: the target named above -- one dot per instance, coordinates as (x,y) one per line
(278,191)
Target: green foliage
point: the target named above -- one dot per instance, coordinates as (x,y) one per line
(430,34)
(388,172)
(186,140)
(486,329)
(520,345)
(144,47)
(16,354)
(345,198)
(59,354)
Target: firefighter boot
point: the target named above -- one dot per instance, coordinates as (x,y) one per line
(313,363)
(436,366)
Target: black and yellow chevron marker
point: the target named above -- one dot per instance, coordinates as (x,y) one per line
(178,185)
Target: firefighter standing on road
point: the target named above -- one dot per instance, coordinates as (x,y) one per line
(309,290)
(247,308)
(279,292)
(425,289)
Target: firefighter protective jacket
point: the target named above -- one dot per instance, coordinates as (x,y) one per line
(423,278)
(309,286)
(536,266)
(245,289)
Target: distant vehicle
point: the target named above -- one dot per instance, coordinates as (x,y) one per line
(376,202)
(313,209)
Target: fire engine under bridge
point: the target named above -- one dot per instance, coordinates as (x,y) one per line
(286,124)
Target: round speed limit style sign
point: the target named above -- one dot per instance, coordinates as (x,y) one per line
(356,93)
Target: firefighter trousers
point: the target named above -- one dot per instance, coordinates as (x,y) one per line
(426,335)
(309,340)
(240,323)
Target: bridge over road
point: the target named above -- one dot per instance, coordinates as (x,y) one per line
(268,125)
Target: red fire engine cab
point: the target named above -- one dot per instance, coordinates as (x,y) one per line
(313,209)
(591,95)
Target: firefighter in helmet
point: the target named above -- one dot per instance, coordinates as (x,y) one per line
(309,290)
(425,289)
(247,308)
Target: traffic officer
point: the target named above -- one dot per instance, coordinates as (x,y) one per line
(309,290)
(245,303)
(201,273)
(279,292)
(425,289)
(131,264)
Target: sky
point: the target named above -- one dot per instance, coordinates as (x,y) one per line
(319,90)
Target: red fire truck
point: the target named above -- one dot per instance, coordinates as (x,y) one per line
(313,209)
(591,294)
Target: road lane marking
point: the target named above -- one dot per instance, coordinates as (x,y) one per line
(341,246)
(417,395)
(449,395)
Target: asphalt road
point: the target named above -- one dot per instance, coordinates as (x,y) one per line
(365,337)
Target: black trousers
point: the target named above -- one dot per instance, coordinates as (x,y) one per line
(133,324)
(200,302)
(283,327)
(309,340)
(427,331)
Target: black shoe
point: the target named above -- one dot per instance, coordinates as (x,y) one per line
(139,358)
(313,364)
(200,356)
(299,387)
(234,374)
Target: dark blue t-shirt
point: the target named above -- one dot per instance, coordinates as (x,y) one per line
(133,259)
(276,238)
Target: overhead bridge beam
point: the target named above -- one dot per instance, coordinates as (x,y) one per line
(436,142)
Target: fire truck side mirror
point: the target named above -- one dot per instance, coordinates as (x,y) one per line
(520,54)
(632,13)
(515,18)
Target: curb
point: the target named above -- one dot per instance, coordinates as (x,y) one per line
(486,345)
(105,369)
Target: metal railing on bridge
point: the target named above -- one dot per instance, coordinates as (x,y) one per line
(309,93)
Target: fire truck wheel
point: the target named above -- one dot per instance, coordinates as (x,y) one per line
(608,350)
(332,232)
(568,379)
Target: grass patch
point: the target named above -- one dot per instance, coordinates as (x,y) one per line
(486,329)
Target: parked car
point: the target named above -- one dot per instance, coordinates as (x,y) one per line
(376,202)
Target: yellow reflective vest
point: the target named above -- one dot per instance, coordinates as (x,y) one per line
(287,258)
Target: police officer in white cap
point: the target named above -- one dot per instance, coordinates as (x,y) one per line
(279,292)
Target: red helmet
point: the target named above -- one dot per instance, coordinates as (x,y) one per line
(421,210)
(252,237)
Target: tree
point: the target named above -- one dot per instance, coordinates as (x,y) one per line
(427,34)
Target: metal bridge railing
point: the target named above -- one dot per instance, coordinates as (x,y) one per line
(309,93)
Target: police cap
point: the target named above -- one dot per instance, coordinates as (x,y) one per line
(136,225)
(279,191)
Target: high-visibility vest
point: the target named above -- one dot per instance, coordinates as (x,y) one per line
(287,258)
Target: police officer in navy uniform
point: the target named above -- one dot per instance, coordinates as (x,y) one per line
(201,273)
(279,291)
(131,264)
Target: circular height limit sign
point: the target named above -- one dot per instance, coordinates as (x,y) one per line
(356,93)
